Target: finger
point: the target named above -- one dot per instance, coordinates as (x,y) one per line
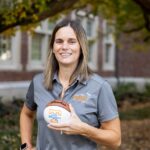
(58,125)
(66,132)
(72,109)
(53,128)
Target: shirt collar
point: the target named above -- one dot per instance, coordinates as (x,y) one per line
(55,77)
(78,79)
(81,81)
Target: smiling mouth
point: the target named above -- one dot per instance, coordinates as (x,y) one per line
(65,54)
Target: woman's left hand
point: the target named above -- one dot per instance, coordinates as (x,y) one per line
(73,126)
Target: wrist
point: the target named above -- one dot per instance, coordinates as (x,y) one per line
(84,129)
(87,130)
(25,146)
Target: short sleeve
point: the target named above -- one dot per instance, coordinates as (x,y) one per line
(107,106)
(30,97)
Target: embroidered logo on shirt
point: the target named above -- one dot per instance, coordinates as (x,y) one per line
(80,98)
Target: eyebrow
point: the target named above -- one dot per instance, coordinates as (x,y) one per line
(68,39)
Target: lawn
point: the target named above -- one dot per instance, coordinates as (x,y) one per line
(135,125)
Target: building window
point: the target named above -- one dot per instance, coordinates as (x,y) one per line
(10,52)
(90,24)
(108,47)
(89,27)
(51,25)
(5,48)
(107,52)
(38,45)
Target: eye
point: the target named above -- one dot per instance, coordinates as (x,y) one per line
(58,41)
(72,41)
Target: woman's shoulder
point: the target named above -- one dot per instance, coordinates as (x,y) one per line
(98,81)
(97,78)
(38,77)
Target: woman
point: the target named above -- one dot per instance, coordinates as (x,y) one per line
(94,116)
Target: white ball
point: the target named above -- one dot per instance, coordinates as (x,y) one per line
(56,114)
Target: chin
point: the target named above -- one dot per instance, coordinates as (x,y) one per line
(66,64)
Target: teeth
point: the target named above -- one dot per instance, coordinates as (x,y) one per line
(65,55)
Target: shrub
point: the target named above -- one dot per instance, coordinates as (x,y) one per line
(147,90)
(129,92)
(125,90)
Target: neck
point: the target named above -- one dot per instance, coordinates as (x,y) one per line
(65,74)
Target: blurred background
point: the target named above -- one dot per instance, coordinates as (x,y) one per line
(118,35)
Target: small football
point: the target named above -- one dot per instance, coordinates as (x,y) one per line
(57,111)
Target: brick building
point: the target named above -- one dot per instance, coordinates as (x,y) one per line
(24,54)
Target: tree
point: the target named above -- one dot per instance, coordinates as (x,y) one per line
(145,6)
(130,15)
(14,13)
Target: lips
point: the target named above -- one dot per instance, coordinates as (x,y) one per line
(65,54)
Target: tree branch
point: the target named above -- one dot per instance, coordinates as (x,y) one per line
(145,6)
(134,29)
(53,8)
(147,20)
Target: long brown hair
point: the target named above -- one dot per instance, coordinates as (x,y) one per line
(82,69)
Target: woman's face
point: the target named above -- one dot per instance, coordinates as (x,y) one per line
(66,47)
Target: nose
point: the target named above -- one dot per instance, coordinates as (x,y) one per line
(65,46)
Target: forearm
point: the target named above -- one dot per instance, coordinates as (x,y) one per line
(101,136)
(26,125)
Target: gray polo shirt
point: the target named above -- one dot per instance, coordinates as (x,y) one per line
(93,101)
